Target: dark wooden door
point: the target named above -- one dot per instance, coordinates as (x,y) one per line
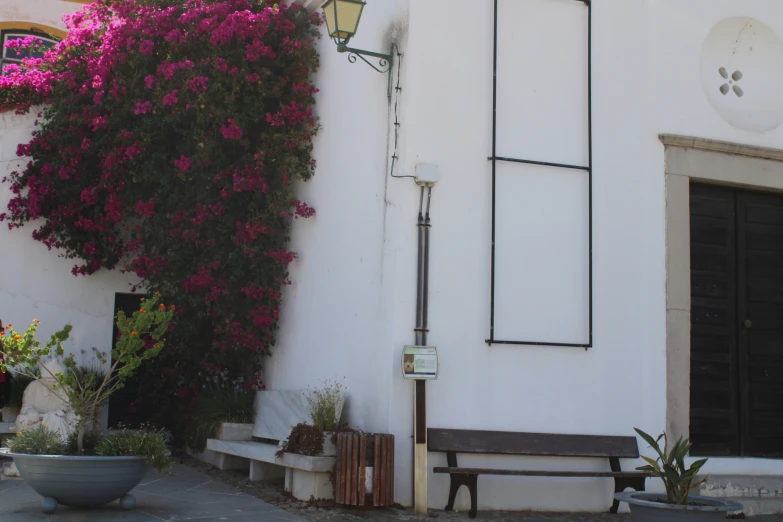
(121,410)
(736,322)
(714,427)
(760,309)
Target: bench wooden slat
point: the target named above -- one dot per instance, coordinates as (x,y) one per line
(534,444)
(535,473)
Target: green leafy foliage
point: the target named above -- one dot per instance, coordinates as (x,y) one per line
(212,409)
(670,467)
(89,441)
(135,443)
(324,403)
(37,441)
(141,338)
(170,141)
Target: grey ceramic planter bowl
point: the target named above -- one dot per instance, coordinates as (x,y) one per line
(81,481)
(644,508)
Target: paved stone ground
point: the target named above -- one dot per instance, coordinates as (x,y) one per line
(272,492)
(197,492)
(186,494)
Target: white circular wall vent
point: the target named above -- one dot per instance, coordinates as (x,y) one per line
(742,73)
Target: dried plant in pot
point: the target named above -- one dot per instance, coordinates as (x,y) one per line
(676,504)
(326,408)
(63,404)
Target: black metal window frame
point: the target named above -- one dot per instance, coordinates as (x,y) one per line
(21,33)
(588,169)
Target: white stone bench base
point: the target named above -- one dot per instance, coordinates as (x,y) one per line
(221,461)
(305,477)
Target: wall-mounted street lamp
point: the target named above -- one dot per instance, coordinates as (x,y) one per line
(342,22)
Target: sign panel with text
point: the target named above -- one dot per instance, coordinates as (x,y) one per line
(420,362)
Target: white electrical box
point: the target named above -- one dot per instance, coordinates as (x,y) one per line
(420,362)
(427,174)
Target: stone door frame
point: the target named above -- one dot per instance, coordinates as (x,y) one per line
(716,162)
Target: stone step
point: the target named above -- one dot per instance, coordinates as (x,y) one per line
(753,506)
(743,486)
(759,494)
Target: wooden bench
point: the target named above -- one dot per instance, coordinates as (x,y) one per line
(453,442)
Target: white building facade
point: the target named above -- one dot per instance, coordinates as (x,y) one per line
(658,70)
(592,269)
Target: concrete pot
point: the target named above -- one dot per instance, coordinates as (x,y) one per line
(81,481)
(647,507)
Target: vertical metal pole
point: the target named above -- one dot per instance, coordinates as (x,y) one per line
(590,159)
(494,163)
(420,275)
(420,395)
(426,280)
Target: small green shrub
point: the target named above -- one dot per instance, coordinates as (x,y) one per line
(126,443)
(214,408)
(304,440)
(89,376)
(37,441)
(670,467)
(91,439)
(324,403)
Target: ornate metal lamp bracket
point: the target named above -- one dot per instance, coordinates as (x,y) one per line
(385,61)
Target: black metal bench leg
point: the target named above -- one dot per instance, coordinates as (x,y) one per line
(456,482)
(470,482)
(620,485)
(473,487)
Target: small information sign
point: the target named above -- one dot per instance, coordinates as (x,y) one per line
(420,362)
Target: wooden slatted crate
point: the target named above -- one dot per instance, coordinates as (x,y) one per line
(359,455)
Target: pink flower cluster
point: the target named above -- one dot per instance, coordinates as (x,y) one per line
(152,156)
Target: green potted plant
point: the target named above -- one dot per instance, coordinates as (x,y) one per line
(65,458)
(676,504)
(326,408)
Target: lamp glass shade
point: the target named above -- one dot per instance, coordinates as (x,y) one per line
(342,18)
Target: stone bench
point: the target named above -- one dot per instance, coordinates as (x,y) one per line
(256,448)
(305,477)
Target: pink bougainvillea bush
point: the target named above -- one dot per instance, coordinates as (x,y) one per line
(169,136)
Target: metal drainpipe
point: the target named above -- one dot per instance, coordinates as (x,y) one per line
(422,304)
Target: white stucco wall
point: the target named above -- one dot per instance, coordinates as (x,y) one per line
(350,309)
(34,282)
(44,12)
(336,310)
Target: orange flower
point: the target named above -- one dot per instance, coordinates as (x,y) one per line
(17,337)
(134,333)
(162,307)
(172,308)
(36,321)
(142,311)
(9,325)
